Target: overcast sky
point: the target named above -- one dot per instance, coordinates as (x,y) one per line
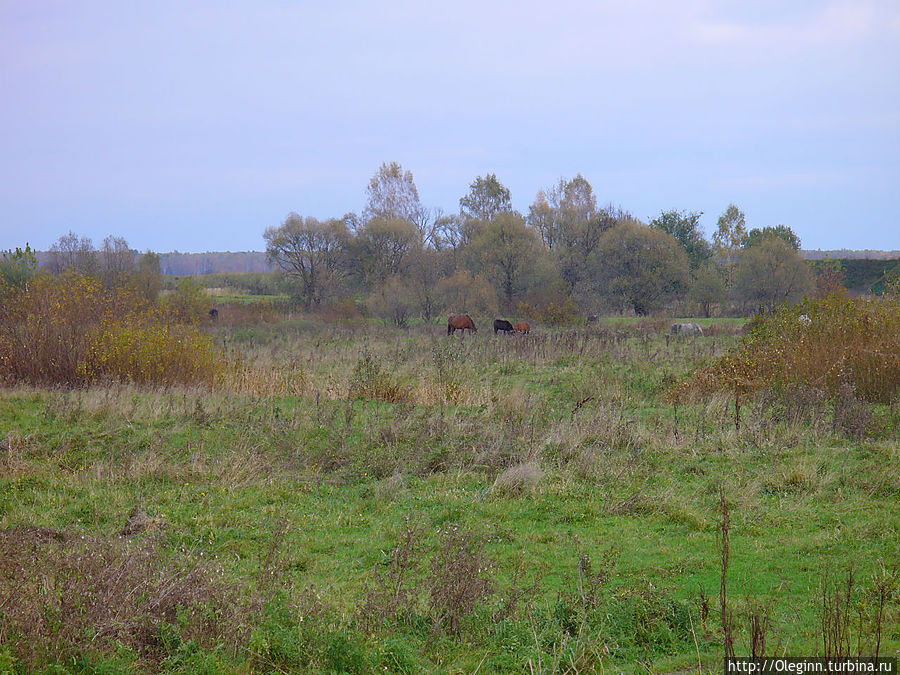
(194,126)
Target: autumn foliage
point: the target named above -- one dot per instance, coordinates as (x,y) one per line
(71,331)
(826,343)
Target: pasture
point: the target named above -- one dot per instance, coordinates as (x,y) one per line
(357,498)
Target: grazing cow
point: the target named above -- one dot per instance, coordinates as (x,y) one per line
(214,314)
(523,327)
(502,325)
(461,322)
(686,329)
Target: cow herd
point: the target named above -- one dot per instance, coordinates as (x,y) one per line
(464,322)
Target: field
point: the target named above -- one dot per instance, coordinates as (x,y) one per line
(367,499)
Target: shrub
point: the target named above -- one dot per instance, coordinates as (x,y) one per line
(155,353)
(70,331)
(826,344)
(189,302)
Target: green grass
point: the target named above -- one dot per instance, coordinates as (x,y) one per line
(299,501)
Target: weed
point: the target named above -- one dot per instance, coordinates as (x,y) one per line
(459,580)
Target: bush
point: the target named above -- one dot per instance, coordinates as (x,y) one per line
(155,353)
(826,344)
(70,331)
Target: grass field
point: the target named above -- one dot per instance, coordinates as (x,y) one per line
(365,499)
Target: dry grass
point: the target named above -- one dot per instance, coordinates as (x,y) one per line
(64,593)
(520,479)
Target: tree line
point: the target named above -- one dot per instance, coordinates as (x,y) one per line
(566,257)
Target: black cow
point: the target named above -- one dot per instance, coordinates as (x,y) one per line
(502,325)
(214,314)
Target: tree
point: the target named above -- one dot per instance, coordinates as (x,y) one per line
(730,234)
(189,301)
(427,268)
(570,224)
(638,267)
(73,252)
(509,252)
(384,248)
(392,195)
(117,261)
(707,288)
(17,268)
(542,216)
(771,273)
(148,277)
(685,227)
(783,232)
(486,198)
(311,252)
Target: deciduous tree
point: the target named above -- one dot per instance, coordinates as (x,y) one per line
(17,268)
(510,254)
(707,288)
(639,268)
(311,252)
(685,227)
(392,195)
(117,261)
(783,232)
(731,231)
(384,248)
(463,292)
(486,198)
(73,252)
(771,273)
(570,224)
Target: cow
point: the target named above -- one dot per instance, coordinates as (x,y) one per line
(461,322)
(214,315)
(502,325)
(522,327)
(686,329)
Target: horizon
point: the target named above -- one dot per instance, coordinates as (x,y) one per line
(191,127)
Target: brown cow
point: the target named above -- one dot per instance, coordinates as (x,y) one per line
(523,327)
(461,322)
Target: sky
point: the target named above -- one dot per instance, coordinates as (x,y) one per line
(194,126)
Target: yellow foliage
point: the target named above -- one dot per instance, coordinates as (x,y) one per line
(69,330)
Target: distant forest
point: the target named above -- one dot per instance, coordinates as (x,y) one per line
(868,265)
(190,264)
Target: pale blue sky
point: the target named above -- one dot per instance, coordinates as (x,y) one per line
(194,126)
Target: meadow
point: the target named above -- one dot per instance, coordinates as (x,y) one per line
(358,498)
